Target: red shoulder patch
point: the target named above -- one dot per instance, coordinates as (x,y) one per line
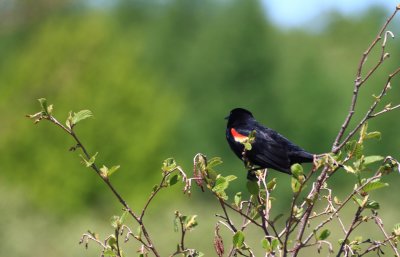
(237,136)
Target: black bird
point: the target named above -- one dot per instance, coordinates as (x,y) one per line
(269,148)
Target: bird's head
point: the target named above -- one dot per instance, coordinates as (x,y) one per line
(238,115)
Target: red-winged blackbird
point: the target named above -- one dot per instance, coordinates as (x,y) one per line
(268,150)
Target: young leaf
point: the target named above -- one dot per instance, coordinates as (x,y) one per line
(295,185)
(274,243)
(214,162)
(230,178)
(363,130)
(238,198)
(220,184)
(115,221)
(374,205)
(104,171)
(324,234)
(123,217)
(373,185)
(109,252)
(396,229)
(374,134)
(238,239)
(191,222)
(176,221)
(358,149)
(81,115)
(358,201)
(372,159)
(271,184)
(173,180)
(297,170)
(112,170)
(168,165)
(349,169)
(89,162)
(43,104)
(266,245)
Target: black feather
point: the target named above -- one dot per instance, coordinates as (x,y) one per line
(269,149)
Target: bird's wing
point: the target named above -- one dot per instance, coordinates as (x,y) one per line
(267,152)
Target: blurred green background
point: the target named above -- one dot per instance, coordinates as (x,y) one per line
(160,76)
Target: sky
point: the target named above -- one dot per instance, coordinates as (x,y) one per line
(297,13)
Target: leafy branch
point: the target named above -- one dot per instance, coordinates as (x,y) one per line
(310,210)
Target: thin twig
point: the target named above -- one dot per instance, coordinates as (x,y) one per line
(359,81)
(379,222)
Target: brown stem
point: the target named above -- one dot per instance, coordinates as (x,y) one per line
(359,81)
(108,183)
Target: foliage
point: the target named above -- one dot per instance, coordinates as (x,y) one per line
(152,70)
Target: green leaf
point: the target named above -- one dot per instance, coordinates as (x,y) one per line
(109,252)
(363,130)
(238,198)
(176,222)
(358,150)
(373,185)
(324,234)
(266,245)
(374,134)
(81,115)
(214,162)
(230,178)
(396,229)
(274,243)
(43,104)
(139,232)
(238,239)
(112,242)
(247,146)
(168,165)
(298,212)
(349,169)
(271,184)
(89,162)
(295,185)
(220,184)
(349,146)
(115,221)
(372,159)
(173,180)
(123,217)
(371,204)
(358,201)
(297,170)
(113,170)
(190,222)
(104,171)
(252,187)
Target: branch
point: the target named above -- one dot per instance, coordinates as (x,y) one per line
(45,114)
(359,81)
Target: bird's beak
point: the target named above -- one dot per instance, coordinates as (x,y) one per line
(227,117)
